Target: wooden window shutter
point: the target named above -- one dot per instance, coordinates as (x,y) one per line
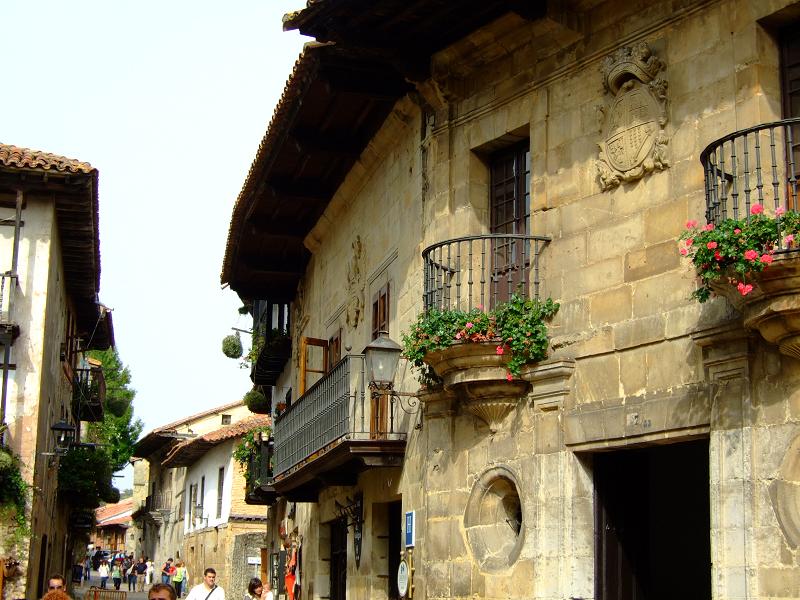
(305,368)
(380,311)
(334,349)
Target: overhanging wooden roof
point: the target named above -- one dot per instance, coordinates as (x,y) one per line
(72,186)
(403,33)
(333,104)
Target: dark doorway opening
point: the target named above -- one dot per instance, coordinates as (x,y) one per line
(652,525)
(42,575)
(395,546)
(338,559)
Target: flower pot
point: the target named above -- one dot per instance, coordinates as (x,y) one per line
(773,306)
(479,376)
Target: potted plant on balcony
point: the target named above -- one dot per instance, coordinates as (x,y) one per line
(258,402)
(754,264)
(480,353)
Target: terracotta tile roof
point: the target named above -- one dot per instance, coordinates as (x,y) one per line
(77,214)
(25,158)
(160,436)
(185,453)
(114,514)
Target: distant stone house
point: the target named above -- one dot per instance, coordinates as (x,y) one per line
(158,491)
(112,523)
(220,529)
(431,156)
(50,315)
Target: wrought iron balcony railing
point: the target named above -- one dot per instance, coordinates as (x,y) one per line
(481,270)
(755,165)
(89,394)
(336,409)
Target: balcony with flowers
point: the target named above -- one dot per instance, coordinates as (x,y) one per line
(747,251)
(484,327)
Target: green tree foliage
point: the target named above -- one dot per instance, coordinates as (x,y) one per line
(85,473)
(117,434)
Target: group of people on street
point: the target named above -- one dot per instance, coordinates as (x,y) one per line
(136,574)
(176,574)
(207,590)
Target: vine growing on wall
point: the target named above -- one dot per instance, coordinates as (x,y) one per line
(14,493)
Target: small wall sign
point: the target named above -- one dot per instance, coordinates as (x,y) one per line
(410,532)
(402,578)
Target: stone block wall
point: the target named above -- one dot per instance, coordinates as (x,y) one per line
(640,373)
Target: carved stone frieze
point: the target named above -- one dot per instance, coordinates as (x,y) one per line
(633,118)
(355,284)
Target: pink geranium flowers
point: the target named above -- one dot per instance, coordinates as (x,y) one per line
(737,250)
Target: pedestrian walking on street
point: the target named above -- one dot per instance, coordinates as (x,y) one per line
(56,582)
(103,571)
(141,571)
(87,569)
(254,589)
(166,572)
(150,570)
(208,590)
(56,595)
(116,574)
(180,578)
(130,575)
(161,591)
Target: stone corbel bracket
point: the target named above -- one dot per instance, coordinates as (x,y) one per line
(551,383)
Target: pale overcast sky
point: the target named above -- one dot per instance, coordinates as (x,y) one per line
(169,101)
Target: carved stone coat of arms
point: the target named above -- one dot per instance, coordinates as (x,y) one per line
(634,141)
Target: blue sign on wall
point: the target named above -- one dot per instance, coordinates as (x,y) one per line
(410,533)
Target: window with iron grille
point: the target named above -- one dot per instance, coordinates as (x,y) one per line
(220,485)
(226,419)
(380,311)
(510,207)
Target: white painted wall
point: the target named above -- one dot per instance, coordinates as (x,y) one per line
(208,466)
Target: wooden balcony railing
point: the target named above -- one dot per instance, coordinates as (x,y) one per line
(758,165)
(481,270)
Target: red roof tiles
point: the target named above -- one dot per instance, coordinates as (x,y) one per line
(25,158)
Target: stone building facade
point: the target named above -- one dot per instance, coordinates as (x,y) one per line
(49,315)
(652,452)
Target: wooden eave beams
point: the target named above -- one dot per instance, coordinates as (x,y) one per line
(344,100)
(413,29)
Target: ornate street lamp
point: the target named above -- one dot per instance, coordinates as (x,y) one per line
(382,356)
(64,434)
